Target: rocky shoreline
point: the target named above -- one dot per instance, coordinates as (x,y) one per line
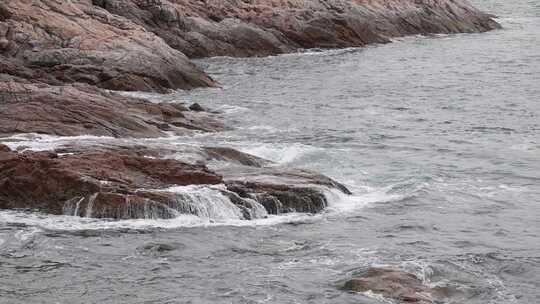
(61,60)
(145,45)
(124,182)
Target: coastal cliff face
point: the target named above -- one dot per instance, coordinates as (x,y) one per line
(144,45)
(267,27)
(57,57)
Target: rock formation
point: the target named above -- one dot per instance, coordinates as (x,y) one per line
(135,182)
(58,57)
(267,27)
(79,109)
(144,45)
(76,41)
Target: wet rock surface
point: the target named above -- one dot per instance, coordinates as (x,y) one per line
(94,183)
(396,285)
(159,249)
(58,57)
(71,110)
(281,190)
(133,182)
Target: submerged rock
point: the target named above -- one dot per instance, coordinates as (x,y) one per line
(159,249)
(134,182)
(71,110)
(196,107)
(394,284)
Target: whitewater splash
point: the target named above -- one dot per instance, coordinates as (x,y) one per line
(207,206)
(44,142)
(281,154)
(211,202)
(343,203)
(214,203)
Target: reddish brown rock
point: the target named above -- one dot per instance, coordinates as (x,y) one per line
(234,156)
(71,110)
(75,41)
(139,45)
(134,182)
(266,27)
(120,184)
(278,190)
(281,190)
(395,284)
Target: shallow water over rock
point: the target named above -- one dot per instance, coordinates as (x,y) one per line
(437,137)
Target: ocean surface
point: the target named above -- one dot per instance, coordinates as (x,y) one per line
(438,137)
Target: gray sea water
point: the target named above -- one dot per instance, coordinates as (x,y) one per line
(438,137)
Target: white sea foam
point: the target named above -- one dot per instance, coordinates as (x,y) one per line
(377,296)
(211,208)
(281,154)
(343,203)
(137,94)
(263,128)
(214,203)
(526,147)
(321,52)
(74,223)
(42,142)
(421,269)
(231,109)
(25,235)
